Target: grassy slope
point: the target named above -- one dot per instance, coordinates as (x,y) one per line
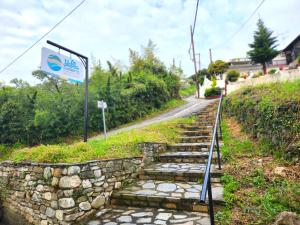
(270,112)
(172,104)
(119,145)
(185,92)
(254,192)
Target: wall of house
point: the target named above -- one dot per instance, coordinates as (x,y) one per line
(281,76)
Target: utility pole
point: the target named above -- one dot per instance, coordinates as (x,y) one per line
(210,55)
(195,66)
(199,62)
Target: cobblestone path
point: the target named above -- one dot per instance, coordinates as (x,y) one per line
(167,191)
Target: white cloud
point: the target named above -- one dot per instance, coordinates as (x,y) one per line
(107,29)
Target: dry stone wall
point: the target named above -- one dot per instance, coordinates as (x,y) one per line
(64,193)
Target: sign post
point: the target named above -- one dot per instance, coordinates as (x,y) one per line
(103,106)
(63,67)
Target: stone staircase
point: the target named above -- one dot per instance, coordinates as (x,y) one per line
(168,190)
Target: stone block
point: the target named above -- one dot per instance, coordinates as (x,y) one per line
(66,203)
(98,202)
(70,181)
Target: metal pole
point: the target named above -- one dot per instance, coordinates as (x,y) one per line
(86,99)
(210,204)
(195,66)
(85,61)
(220,126)
(218,149)
(104,124)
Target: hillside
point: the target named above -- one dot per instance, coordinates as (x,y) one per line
(261,130)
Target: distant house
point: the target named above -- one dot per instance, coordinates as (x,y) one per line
(243,65)
(279,60)
(292,50)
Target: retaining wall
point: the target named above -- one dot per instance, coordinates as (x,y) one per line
(281,76)
(63,194)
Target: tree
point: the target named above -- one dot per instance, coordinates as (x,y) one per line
(218,67)
(232,75)
(263,49)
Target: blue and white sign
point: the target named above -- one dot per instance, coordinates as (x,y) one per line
(61,66)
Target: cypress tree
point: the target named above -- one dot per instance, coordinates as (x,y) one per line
(263,49)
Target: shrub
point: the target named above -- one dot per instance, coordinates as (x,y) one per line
(214,91)
(298,59)
(232,75)
(258,74)
(244,75)
(272,71)
(270,113)
(214,82)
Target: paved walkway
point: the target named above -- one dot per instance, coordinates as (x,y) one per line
(193,105)
(168,191)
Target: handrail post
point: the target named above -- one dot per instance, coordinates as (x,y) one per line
(218,150)
(220,126)
(210,204)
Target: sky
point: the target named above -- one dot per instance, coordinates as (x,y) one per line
(106,29)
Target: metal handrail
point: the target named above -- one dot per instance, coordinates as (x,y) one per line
(206,185)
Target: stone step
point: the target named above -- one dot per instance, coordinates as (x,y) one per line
(194,127)
(206,132)
(195,139)
(203,123)
(203,147)
(170,195)
(185,157)
(140,216)
(178,172)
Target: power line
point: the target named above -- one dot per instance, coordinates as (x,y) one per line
(193,30)
(243,24)
(48,32)
(195,19)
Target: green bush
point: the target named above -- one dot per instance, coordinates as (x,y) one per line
(212,92)
(270,113)
(272,71)
(298,59)
(232,75)
(214,81)
(258,74)
(184,92)
(52,111)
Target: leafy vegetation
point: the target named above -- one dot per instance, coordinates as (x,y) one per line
(253,191)
(211,92)
(218,67)
(52,111)
(257,74)
(185,92)
(272,71)
(120,145)
(232,75)
(270,112)
(201,76)
(263,49)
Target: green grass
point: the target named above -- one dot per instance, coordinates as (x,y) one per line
(249,188)
(270,113)
(172,104)
(185,92)
(277,92)
(120,145)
